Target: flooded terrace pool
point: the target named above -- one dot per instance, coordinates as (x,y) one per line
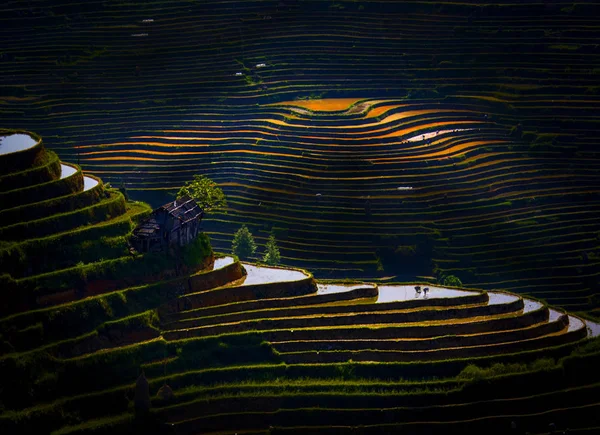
(66,170)
(89,182)
(222,262)
(395,293)
(432,134)
(575,324)
(265,275)
(593,328)
(501,298)
(531,305)
(325,289)
(553,315)
(16,142)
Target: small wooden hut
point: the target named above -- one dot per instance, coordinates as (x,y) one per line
(174,224)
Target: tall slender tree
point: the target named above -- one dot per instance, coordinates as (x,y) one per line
(272,255)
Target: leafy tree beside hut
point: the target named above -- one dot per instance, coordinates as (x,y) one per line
(205,192)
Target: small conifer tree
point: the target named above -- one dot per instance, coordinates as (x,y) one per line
(271,256)
(243,243)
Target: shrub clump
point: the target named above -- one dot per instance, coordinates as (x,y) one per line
(451,281)
(195,253)
(476,373)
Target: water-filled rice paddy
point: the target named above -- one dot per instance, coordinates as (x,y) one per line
(501,298)
(89,182)
(265,275)
(593,328)
(531,305)
(322,105)
(222,262)
(553,315)
(394,293)
(575,323)
(324,289)
(66,170)
(15,142)
(432,134)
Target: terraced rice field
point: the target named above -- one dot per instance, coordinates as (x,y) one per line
(248,348)
(463,134)
(404,196)
(386,142)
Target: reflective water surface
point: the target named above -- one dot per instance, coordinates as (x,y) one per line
(15,142)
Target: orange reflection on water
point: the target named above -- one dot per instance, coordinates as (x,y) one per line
(449,151)
(324,105)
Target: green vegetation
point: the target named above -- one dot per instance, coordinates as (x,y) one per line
(111,206)
(243,245)
(206,193)
(88,243)
(451,281)
(504,198)
(197,251)
(48,170)
(475,373)
(51,206)
(43,191)
(272,257)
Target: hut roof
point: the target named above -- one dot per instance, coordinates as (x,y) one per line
(184,209)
